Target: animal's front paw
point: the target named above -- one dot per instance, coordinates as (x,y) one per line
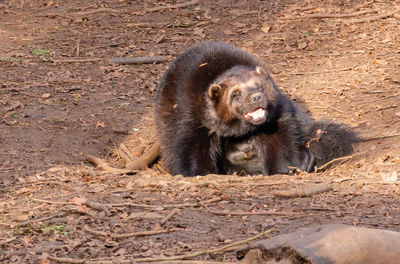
(241,153)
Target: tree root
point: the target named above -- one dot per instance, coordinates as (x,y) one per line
(146,159)
(134,166)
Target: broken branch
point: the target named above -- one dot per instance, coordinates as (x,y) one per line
(251,213)
(135,234)
(308,190)
(372,18)
(103,165)
(171,214)
(159,8)
(96,11)
(78,60)
(147,158)
(140,60)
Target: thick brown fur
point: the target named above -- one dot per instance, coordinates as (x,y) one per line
(273,153)
(209,96)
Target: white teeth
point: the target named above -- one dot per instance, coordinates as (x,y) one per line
(257,114)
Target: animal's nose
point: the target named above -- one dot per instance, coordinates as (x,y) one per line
(256,97)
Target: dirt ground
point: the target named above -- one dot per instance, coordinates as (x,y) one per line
(61,98)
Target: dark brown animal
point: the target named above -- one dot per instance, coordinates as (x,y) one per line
(272,153)
(215,93)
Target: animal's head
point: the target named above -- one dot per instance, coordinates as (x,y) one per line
(242,94)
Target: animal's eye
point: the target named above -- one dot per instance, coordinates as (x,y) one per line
(235,95)
(260,86)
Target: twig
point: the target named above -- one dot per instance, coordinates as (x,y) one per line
(364,139)
(251,213)
(217,199)
(103,165)
(140,60)
(107,45)
(15,105)
(75,261)
(362,12)
(209,251)
(130,204)
(171,214)
(122,154)
(52,202)
(308,190)
(78,60)
(126,151)
(372,18)
(129,261)
(323,167)
(147,158)
(99,207)
(126,235)
(95,11)
(8,240)
(78,50)
(159,8)
(320,72)
(322,15)
(40,219)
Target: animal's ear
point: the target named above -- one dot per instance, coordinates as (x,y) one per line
(214,92)
(261,71)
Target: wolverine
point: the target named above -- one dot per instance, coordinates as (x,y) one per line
(213,98)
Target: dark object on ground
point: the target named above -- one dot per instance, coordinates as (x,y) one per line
(259,154)
(327,244)
(215,93)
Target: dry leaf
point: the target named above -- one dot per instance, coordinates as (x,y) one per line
(265,29)
(78,200)
(100,124)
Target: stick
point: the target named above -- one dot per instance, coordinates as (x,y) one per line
(40,219)
(372,18)
(159,8)
(217,199)
(126,151)
(362,12)
(103,165)
(364,139)
(126,235)
(251,213)
(73,261)
(99,10)
(98,206)
(8,240)
(129,261)
(147,158)
(209,251)
(308,190)
(78,60)
(140,60)
(323,167)
(171,214)
(52,202)
(321,15)
(15,105)
(77,48)
(320,72)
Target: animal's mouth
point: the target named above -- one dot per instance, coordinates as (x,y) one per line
(257,116)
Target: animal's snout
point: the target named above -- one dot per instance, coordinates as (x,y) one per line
(256,97)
